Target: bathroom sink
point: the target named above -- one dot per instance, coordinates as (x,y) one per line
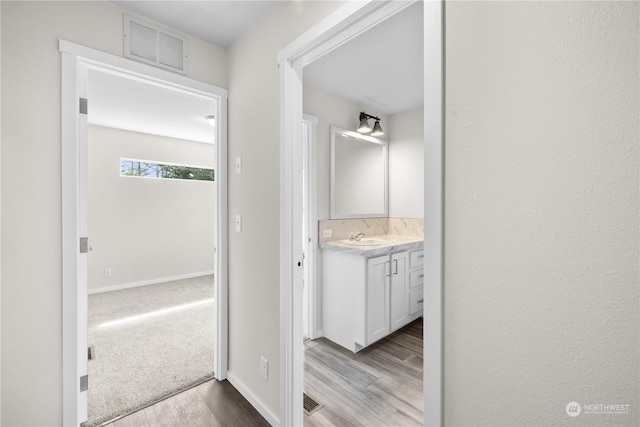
(365,242)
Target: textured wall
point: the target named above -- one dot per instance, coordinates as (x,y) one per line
(254,274)
(541,212)
(147,229)
(31,194)
(406,164)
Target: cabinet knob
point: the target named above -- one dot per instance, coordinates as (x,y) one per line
(420,301)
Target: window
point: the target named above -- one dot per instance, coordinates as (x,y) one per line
(157,170)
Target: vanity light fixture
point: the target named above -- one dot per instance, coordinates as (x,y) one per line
(211,120)
(364,125)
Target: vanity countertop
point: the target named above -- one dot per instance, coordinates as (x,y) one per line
(375,245)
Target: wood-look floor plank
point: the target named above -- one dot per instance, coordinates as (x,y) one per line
(135,419)
(410,342)
(400,398)
(416,362)
(228,406)
(378,386)
(317,420)
(341,365)
(344,403)
(164,413)
(334,385)
(214,403)
(193,411)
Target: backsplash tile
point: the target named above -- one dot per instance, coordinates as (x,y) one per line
(342,228)
(406,226)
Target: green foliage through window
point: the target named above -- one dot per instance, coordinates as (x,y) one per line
(147,169)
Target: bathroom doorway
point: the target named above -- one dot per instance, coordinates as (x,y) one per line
(329,34)
(337,88)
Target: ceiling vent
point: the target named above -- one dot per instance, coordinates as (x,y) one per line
(153,45)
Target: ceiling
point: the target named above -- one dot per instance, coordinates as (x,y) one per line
(135,105)
(382,69)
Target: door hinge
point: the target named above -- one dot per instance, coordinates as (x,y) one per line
(83,106)
(84,245)
(84,383)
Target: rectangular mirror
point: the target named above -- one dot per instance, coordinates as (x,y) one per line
(359,175)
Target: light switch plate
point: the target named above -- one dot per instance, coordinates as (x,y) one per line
(238,165)
(264,368)
(238,223)
(327,234)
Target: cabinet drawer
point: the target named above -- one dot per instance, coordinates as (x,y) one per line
(416,301)
(416,278)
(416,259)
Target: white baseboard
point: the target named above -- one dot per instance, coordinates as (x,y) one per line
(316,335)
(253,399)
(148,282)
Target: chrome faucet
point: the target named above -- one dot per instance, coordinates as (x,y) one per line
(356,236)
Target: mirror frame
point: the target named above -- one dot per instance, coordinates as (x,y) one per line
(385,144)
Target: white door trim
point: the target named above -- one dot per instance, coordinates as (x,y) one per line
(311,260)
(344,24)
(434,140)
(76,60)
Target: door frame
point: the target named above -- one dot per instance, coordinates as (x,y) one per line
(311,247)
(76,61)
(345,23)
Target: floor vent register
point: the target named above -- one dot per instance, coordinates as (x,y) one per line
(310,405)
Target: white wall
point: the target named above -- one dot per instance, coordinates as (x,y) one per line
(406,166)
(0,214)
(541,212)
(147,229)
(254,276)
(31,196)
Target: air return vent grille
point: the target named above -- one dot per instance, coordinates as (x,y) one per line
(147,43)
(310,405)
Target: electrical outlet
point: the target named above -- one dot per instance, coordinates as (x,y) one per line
(264,368)
(327,234)
(107,273)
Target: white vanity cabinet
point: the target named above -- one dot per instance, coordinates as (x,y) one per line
(398,266)
(365,298)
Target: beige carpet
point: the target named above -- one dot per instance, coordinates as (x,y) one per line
(148,343)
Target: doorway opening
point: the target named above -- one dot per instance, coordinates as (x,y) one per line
(343,25)
(371,323)
(77,64)
(151,220)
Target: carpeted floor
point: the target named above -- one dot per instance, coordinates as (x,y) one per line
(148,343)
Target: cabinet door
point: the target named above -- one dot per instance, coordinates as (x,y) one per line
(399,295)
(377,298)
